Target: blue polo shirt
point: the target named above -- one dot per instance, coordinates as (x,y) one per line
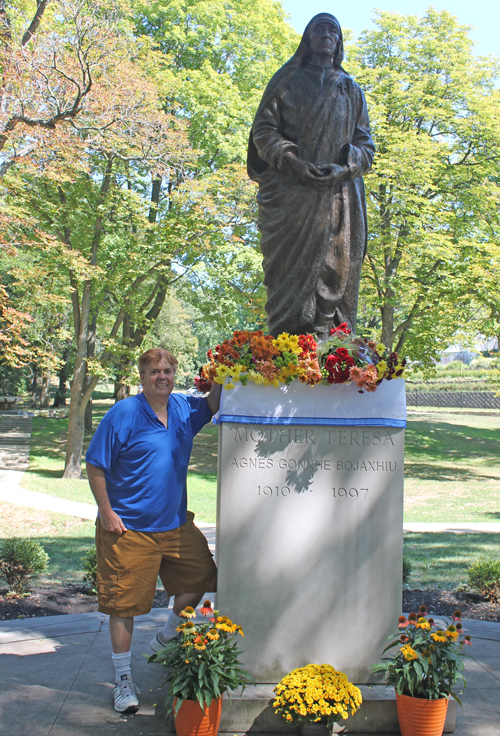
(145,463)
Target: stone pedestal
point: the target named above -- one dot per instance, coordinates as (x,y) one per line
(310,525)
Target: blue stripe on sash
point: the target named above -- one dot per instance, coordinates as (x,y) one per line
(321,421)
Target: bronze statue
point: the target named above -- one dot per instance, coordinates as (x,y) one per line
(309,147)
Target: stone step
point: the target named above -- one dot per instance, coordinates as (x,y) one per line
(252,712)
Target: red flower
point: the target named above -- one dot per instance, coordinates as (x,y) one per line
(308,344)
(341,328)
(342,353)
(202,384)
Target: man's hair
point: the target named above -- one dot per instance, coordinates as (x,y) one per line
(153,355)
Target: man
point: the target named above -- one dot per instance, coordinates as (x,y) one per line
(309,147)
(137,466)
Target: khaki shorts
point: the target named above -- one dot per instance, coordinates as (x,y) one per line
(128,566)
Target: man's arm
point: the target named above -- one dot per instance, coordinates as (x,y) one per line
(109,519)
(213,397)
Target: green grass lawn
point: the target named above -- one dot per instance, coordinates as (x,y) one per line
(64,538)
(452,474)
(441,560)
(452,467)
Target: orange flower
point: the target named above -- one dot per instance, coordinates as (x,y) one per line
(206,609)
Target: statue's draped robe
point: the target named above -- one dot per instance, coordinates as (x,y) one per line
(313,241)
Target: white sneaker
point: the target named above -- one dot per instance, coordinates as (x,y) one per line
(159,642)
(125,695)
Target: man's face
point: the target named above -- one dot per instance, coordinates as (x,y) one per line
(323,38)
(158,381)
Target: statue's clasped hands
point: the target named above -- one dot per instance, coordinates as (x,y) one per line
(319,176)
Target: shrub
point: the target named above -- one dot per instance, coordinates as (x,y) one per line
(89,567)
(485,364)
(484,575)
(21,559)
(406,569)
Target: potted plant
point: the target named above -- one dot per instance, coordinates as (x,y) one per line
(203,664)
(425,670)
(315,697)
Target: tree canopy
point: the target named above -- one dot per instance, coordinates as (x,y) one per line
(433,196)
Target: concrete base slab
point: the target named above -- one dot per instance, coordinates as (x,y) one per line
(252,712)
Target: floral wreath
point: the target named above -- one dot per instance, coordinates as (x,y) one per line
(267,361)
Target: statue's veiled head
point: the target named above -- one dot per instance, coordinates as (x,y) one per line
(323,35)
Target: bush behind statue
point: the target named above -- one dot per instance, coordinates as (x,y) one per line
(89,567)
(484,575)
(407,568)
(20,560)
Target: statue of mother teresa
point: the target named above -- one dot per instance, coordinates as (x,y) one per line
(309,147)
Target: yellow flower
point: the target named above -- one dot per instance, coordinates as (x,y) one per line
(438,636)
(223,623)
(380,348)
(408,653)
(188,612)
(271,382)
(289,371)
(257,378)
(381,368)
(213,634)
(422,623)
(229,386)
(222,371)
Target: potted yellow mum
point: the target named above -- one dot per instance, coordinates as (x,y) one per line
(315,697)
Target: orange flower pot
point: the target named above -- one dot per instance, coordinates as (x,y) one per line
(420,717)
(191,720)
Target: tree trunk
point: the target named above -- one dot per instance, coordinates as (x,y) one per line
(34,369)
(60,397)
(84,322)
(88,417)
(387,336)
(45,395)
(88,378)
(79,395)
(74,447)
(122,391)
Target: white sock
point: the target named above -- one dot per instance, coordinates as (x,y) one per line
(122,664)
(169,630)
